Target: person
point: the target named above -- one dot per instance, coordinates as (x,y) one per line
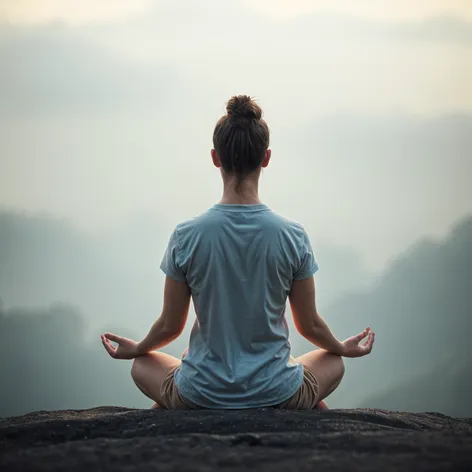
(239,261)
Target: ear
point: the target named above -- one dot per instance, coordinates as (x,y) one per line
(215,158)
(266,160)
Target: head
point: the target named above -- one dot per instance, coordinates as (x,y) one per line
(241,141)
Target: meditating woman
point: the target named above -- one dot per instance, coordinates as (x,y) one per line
(239,261)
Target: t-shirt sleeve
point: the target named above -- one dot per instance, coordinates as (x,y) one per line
(309,264)
(170,265)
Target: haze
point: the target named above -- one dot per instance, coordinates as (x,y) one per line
(106,115)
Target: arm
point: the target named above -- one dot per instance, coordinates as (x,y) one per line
(307,320)
(165,329)
(172,321)
(312,326)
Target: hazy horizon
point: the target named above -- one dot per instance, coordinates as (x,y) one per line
(106,117)
(369,108)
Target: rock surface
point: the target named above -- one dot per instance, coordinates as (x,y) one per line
(121,439)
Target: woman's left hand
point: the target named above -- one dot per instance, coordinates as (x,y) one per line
(127,348)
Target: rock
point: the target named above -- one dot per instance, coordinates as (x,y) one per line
(121,439)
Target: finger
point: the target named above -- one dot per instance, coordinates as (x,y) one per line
(110,345)
(106,344)
(113,337)
(109,348)
(359,337)
(367,341)
(370,342)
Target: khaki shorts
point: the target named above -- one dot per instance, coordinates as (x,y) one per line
(305,398)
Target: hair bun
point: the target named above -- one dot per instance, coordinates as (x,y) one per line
(242,106)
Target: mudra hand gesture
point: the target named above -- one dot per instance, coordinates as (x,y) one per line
(126,349)
(353,346)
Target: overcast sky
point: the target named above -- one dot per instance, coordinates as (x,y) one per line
(107,110)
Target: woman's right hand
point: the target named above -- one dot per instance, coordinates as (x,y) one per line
(353,348)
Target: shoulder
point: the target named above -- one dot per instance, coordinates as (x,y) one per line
(287,225)
(200,220)
(196,224)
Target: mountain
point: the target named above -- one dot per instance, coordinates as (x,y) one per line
(420,310)
(60,287)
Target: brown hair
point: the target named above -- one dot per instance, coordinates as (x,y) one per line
(241,137)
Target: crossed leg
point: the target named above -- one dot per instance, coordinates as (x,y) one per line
(327,368)
(149,371)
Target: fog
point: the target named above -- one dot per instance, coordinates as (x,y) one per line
(106,118)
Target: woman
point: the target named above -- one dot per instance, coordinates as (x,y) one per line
(239,261)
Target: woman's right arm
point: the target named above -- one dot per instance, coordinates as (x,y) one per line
(314,328)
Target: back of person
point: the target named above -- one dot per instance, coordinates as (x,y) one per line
(239,262)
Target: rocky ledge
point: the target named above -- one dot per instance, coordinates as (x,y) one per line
(121,439)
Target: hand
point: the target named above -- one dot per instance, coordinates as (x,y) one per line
(353,348)
(127,348)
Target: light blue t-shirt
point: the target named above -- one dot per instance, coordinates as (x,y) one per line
(239,262)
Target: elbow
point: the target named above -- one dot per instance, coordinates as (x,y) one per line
(308,331)
(310,328)
(172,331)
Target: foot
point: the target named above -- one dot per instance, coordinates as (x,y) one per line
(321,405)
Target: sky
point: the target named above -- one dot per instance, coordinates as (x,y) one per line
(107,110)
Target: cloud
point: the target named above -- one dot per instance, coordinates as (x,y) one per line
(445,29)
(125,110)
(71,10)
(327,61)
(381,9)
(323,59)
(116,10)
(54,68)
(384,180)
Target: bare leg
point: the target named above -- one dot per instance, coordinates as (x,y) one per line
(156,405)
(149,371)
(328,369)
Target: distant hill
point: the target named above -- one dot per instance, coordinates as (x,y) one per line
(421,311)
(61,286)
(47,363)
(43,260)
(446,387)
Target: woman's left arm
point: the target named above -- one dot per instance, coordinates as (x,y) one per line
(165,329)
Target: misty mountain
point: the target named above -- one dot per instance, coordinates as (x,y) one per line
(420,310)
(47,363)
(60,287)
(115,277)
(44,260)
(447,387)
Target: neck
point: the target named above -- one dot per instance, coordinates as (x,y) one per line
(248,192)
